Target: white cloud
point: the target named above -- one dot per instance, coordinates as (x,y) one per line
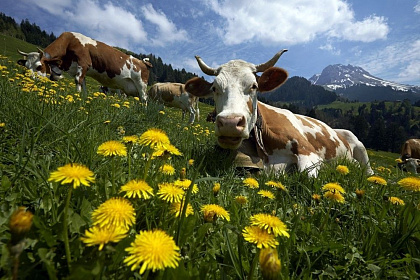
(330,48)
(294,22)
(167,30)
(52,6)
(417,7)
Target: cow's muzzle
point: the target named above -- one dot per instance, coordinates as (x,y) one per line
(230,131)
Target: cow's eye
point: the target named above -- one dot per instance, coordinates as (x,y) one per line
(254,86)
(213,89)
(39,68)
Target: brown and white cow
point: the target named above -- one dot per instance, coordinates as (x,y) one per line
(82,56)
(174,95)
(283,140)
(410,155)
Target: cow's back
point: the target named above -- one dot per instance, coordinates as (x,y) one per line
(411,149)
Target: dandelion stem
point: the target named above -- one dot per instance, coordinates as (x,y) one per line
(65,228)
(113,176)
(254,265)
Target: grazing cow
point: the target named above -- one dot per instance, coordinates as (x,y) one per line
(282,140)
(174,95)
(211,117)
(82,56)
(410,155)
(31,61)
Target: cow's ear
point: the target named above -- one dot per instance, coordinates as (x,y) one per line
(272,78)
(198,87)
(22,62)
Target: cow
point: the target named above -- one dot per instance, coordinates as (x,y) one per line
(82,56)
(211,117)
(174,95)
(282,140)
(410,156)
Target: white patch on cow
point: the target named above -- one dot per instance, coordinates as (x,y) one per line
(84,39)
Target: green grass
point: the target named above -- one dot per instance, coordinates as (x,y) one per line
(353,106)
(47,125)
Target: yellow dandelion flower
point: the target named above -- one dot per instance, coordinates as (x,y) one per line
(190,162)
(335,196)
(316,197)
(251,183)
(154,138)
(176,209)
(185,184)
(333,187)
(396,201)
(360,193)
(100,236)
(342,169)
(72,173)
(269,263)
(112,148)
(216,188)
(242,200)
(116,105)
(130,139)
(170,193)
(167,169)
(2,124)
(20,222)
(162,112)
(115,212)
(277,185)
(107,122)
(213,211)
(153,250)
(410,184)
(377,180)
(165,150)
(137,188)
(266,194)
(398,160)
(270,223)
(259,237)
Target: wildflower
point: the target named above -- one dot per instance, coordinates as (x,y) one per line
(270,223)
(398,160)
(410,184)
(137,188)
(162,112)
(170,193)
(377,180)
(276,185)
(100,236)
(213,211)
(251,183)
(360,193)
(335,196)
(191,162)
(20,222)
(176,209)
(155,249)
(167,169)
(116,105)
(130,139)
(269,263)
(333,187)
(266,194)
(112,148)
(165,150)
(396,201)
(342,169)
(107,122)
(216,189)
(72,173)
(2,124)
(185,184)
(260,237)
(115,212)
(242,200)
(316,197)
(154,138)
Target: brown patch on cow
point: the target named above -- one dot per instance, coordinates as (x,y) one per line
(410,149)
(304,121)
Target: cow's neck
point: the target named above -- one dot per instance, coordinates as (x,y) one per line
(257,135)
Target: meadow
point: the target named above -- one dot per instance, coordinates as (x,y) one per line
(103,187)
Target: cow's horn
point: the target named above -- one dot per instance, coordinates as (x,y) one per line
(40,51)
(264,66)
(22,53)
(205,68)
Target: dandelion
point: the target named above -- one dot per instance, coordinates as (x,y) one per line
(170,193)
(277,185)
(20,222)
(130,139)
(185,184)
(270,223)
(396,201)
(190,162)
(360,193)
(167,169)
(115,212)
(377,180)
(251,183)
(333,187)
(100,236)
(107,122)
(335,196)
(270,263)
(216,189)
(266,194)
(316,197)
(75,173)
(410,184)
(112,148)
(240,199)
(153,250)
(137,188)
(176,209)
(213,211)
(165,150)
(116,105)
(342,169)
(398,160)
(2,124)
(162,112)
(154,138)
(260,237)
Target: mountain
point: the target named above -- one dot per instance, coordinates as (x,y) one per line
(342,78)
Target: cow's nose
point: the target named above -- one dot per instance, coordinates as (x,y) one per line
(231,123)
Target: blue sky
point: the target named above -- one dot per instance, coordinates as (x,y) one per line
(382,36)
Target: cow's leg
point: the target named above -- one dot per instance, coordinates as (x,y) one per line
(360,154)
(192,114)
(309,163)
(80,78)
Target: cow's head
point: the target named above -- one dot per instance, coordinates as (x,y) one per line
(32,61)
(235,95)
(41,63)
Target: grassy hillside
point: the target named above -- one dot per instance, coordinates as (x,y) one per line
(161,201)
(353,106)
